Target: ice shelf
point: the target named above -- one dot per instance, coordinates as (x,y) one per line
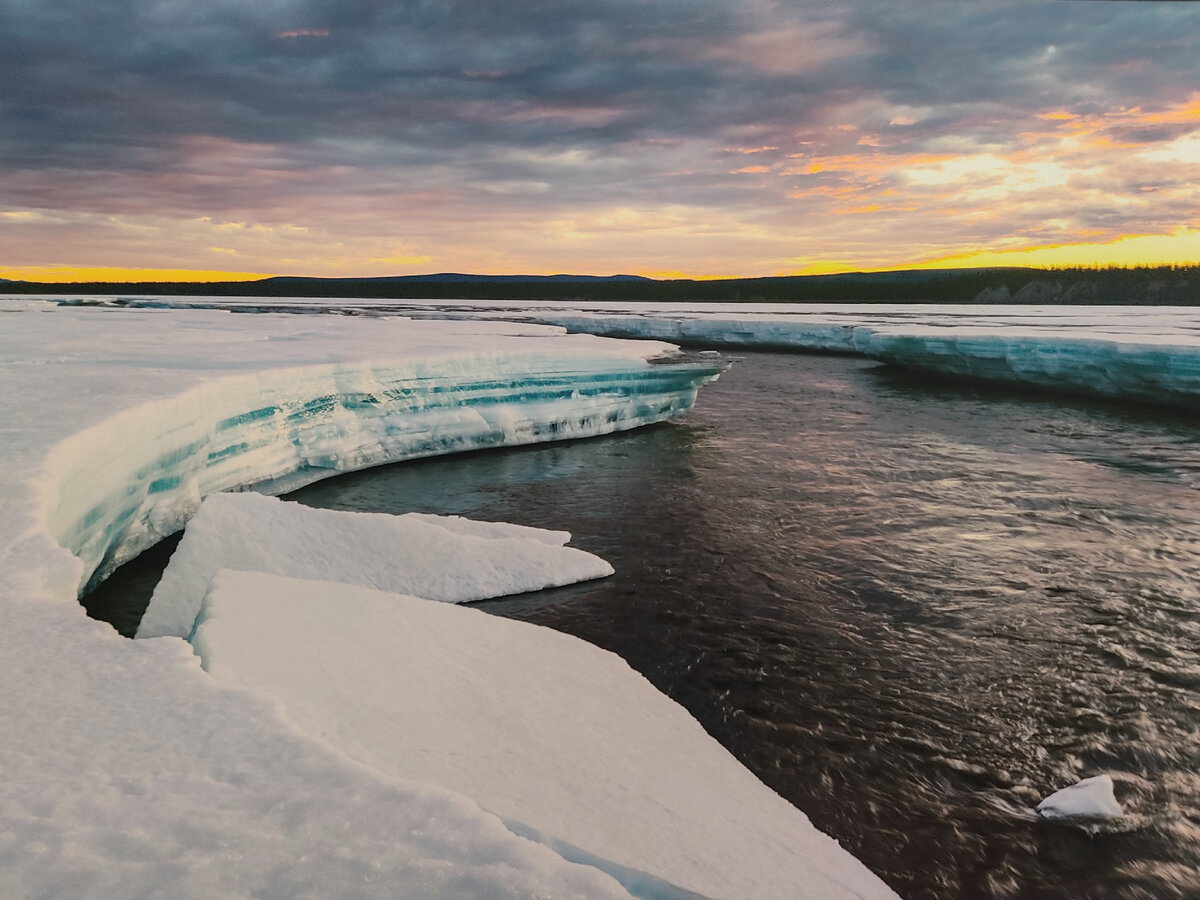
(128,771)
(127,481)
(1141,353)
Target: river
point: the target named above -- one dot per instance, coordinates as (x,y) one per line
(912,607)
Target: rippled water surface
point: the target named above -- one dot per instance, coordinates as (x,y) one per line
(912,608)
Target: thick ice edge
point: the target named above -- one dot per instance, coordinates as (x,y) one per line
(1151,356)
(127,771)
(377,391)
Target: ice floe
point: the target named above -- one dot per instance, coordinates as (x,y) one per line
(1090,798)
(439,558)
(559,738)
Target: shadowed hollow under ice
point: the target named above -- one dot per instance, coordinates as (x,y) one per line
(130,771)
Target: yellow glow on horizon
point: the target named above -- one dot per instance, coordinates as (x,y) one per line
(75,274)
(825,267)
(677,275)
(1181,247)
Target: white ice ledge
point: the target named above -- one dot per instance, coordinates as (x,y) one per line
(123,484)
(445,558)
(127,771)
(1144,355)
(1129,353)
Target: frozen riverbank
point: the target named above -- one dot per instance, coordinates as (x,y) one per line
(1141,353)
(115,423)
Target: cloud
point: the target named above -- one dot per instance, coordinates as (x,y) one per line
(442,125)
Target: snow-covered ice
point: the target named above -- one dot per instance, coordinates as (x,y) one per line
(279,401)
(127,770)
(568,743)
(1090,798)
(1152,354)
(1157,368)
(1145,353)
(439,558)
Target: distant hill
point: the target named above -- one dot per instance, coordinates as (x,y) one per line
(1150,285)
(459,278)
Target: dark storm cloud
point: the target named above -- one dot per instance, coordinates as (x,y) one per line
(88,82)
(223,107)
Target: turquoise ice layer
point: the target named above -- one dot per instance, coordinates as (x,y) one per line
(276,431)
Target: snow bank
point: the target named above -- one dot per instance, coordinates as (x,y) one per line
(1161,369)
(557,737)
(127,771)
(1091,798)
(376,391)
(1096,351)
(450,559)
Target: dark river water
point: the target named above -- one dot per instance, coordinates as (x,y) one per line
(912,608)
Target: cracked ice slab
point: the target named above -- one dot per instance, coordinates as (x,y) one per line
(559,738)
(445,558)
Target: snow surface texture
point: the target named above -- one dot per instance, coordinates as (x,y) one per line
(1091,798)
(570,744)
(127,771)
(439,558)
(1142,353)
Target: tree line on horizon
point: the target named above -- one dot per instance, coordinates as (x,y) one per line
(1175,285)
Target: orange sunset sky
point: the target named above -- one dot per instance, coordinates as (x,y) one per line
(146,141)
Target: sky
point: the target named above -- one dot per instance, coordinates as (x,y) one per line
(144,139)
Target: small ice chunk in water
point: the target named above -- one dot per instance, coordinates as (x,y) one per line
(1091,798)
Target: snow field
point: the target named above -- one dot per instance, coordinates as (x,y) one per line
(130,772)
(557,737)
